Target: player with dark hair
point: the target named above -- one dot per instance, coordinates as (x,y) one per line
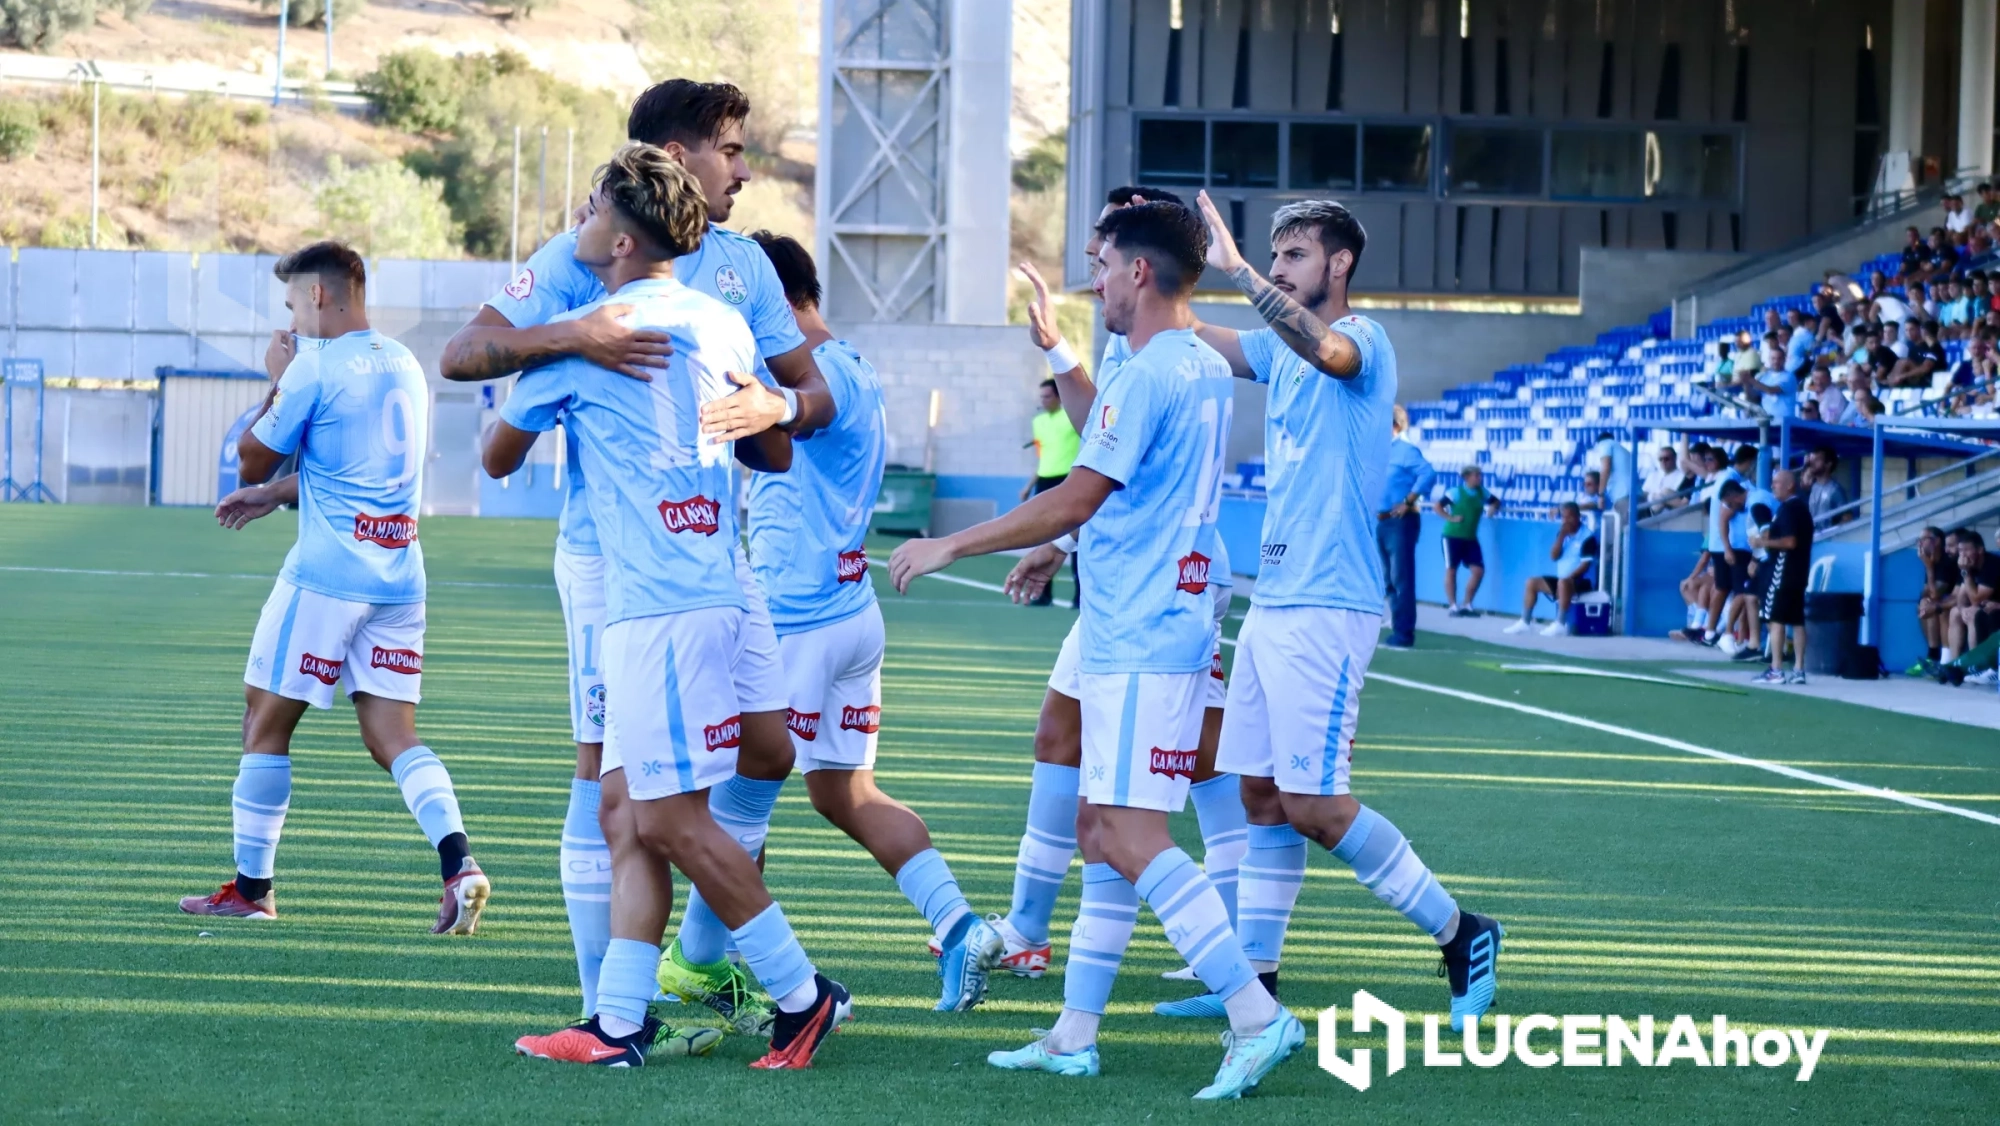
(1305,646)
(808,544)
(348,607)
(1148,486)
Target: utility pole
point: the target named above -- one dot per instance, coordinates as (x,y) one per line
(542,193)
(96,117)
(514,238)
(284,18)
(329,38)
(569,176)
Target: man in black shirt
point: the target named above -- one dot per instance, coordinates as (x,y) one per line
(1939,555)
(1926,357)
(1788,543)
(1973,613)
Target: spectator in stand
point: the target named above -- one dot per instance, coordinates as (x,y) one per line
(1613,461)
(1973,613)
(1863,411)
(1825,493)
(1776,391)
(1809,410)
(1941,259)
(1461,509)
(1663,485)
(1988,208)
(1725,364)
(1915,258)
(1745,360)
(1787,545)
(1825,395)
(1399,522)
(1934,598)
(1925,360)
(1799,344)
(1725,499)
(1882,353)
(1772,356)
(1738,630)
(1573,553)
(1957,220)
(1956,314)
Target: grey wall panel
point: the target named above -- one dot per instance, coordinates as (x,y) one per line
(1221,23)
(1381,263)
(396,283)
(1313,54)
(1273,36)
(1579,229)
(268,297)
(225,293)
(1647,229)
(1420,246)
(1148,46)
(47,288)
(1835,46)
(104,355)
(104,289)
(1445,251)
(152,350)
(56,348)
(163,297)
(1430,81)
(7,272)
(230,352)
(1376,36)
(1118,29)
(1510,249)
(1544,250)
(1550,59)
(1475,263)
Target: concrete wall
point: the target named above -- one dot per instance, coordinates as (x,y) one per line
(1732,292)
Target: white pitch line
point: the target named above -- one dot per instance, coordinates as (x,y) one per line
(1793,772)
(233,575)
(973,583)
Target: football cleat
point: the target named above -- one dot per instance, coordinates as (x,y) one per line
(465,896)
(796,1037)
(585,1042)
(1248,1059)
(1021,957)
(1470,963)
(1185,973)
(228,903)
(1203,1005)
(1080,1064)
(688,1040)
(722,986)
(964,966)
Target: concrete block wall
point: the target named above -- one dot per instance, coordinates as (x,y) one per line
(987,376)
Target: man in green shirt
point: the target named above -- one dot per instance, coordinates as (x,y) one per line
(1056,444)
(1461,511)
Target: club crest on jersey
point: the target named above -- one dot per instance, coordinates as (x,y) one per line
(805,725)
(731,285)
(593,705)
(853,565)
(320,669)
(1107,416)
(1193,573)
(1173,764)
(409,662)
(522,287)
(866,720)
(385,531)
(725,735)
(695,514)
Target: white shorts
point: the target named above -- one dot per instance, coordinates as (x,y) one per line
(1065,678)
(306,643)
(1141,733)
(1296,695)
(835,677)
(1218,682)
(580,585)
(760,674)
(671,720)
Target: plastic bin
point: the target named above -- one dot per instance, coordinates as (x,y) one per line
(904,504)
(1833,629)
(1590,615)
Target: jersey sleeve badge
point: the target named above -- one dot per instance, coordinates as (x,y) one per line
(522,287)
(731,285)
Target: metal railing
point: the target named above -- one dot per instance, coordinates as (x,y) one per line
(1972,483)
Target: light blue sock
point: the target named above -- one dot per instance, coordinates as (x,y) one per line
(1046,849)
(927,882)
(742,806)
(1386,864)
(427,791)
(586,885)
(262,794)
(1225,834)
(1098,938)
(1273,870)
(1186,903)
(630,978)
(773,952)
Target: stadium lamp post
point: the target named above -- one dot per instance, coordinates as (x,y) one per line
(569,175)
(542,192)
(96,106)
(278,82)
(514,228)
(329,38)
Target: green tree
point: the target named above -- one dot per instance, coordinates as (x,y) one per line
(752,43)
(418,90)
(387,210)
(312,13)
(20,128)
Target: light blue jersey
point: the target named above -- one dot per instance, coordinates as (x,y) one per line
(1741,523)
(726,266)
(659,496)
(1159,427)
(807,526)
(1575,549)
(1326,452)
(355,410)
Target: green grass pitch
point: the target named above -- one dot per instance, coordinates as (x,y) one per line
(1632,878)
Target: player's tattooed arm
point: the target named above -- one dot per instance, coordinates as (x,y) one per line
(1303,332)
(489,346)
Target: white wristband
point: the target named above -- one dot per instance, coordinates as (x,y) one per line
(791,406)
(1066,544)
(1062,358)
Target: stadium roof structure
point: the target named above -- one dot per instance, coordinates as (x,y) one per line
(1901,437)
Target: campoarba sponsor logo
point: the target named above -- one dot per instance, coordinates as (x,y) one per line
(1193,570)
(852,566)
(1593,1040)
(385,531)
(695,514)
(1171,763)
(320,669)
(866,720)
(805,725)
(409,662)
(1215,666)
(724,735)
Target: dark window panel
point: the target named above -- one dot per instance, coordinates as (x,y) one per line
(1172,96)
(1597,164)
(1396,157)
(1495,161)
(1245,155)
(1667,103)
(1693,166)
(1322,157)
(1171,152)
(1604,81)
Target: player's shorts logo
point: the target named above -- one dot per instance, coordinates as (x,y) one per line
(731,286)
(1272,554)
(385,531)
(1215,666)
(853,565)
(409,662)
(320,669)
(805,725)
(725,735)
(522,287)
(695,514)
(1173,764)
(1193,573)
(593,705)
(866,720)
